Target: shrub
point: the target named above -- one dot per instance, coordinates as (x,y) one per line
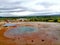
(58,21)
(50,20)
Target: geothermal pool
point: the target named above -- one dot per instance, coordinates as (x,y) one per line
(20,31)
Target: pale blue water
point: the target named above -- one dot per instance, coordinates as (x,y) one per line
(25,29)
(9,24)
(21,30)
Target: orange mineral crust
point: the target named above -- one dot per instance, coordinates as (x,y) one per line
(32,34)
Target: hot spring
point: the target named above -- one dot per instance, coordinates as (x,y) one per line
(19,31)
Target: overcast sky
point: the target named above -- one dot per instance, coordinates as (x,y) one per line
(29,7)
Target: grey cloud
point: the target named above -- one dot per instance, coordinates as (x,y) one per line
(11,11)
(45,4)
(9,6)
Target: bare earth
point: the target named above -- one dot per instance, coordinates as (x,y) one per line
(47,34)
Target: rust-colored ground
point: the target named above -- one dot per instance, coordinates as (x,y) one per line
(38,38)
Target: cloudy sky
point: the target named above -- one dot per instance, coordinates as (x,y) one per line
(29,7)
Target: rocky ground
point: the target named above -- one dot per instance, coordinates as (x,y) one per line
(48,34)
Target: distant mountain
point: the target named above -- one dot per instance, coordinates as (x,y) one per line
(45,14)
(32,15)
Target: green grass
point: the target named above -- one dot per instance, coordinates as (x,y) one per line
(35,18)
